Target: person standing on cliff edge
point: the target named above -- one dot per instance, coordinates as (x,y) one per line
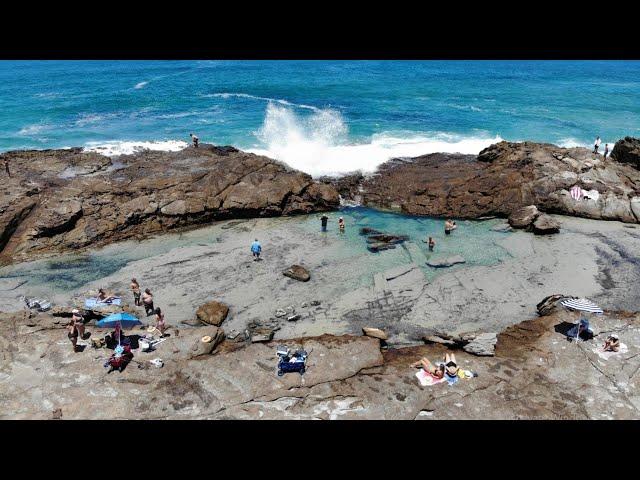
(6,166)
(596,145)
(606,150)
(195,140)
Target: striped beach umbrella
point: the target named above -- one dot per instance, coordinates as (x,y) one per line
(576,192)
(582,304)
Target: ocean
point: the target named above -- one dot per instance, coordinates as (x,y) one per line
(322,117)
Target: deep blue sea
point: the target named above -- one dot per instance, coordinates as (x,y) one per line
(318,116)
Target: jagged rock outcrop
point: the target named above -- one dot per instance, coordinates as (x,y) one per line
(60,200)
(627,150)
(507,176)
(212,313)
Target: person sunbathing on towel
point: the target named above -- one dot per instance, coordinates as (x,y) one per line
(430,368)
(451,366)
(104,298)
(612,343)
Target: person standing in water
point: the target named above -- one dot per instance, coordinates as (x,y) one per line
(341,224)
(256,249)
(323,221)
(596,145)
(606,150)
(195,139)
(449,226)
(432,243)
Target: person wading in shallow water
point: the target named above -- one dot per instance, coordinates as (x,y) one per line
(341,224)
(195,139)
(323,221)
(432,243)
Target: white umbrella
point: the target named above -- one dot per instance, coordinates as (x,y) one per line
(581,305)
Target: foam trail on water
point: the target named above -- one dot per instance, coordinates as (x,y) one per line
(140,85)
(226,95)
(317,144)
(115,148)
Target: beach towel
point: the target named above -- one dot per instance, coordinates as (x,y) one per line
(93,302)
(426,379)
(607,355)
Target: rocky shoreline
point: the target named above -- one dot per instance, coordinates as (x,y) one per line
(65,200)
(502,178)
(307,292)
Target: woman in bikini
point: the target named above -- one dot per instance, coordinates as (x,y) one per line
(103,297)
(612,343)
(147,301)
(135,288)
(451,366)
(435,371)
(160,325)
(341,224)
(76,329)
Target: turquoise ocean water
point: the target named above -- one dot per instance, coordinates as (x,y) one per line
(318,116)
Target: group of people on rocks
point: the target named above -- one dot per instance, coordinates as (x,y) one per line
(596,145)
(76,327)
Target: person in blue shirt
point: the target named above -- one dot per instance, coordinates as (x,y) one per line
(256,249)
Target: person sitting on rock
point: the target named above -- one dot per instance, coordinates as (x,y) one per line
(612,343)
(160,325)
(104,298)
(436,372)
(147,301)
(76,328)
(256,249)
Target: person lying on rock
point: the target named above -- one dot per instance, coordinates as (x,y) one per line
(612,343)
(147,301)
(435,371)
(104,298)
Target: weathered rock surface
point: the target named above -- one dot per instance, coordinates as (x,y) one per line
(444,262)
(627,150)
(544,225)
(61,200)
(507,176)
(482,345)
(523,217)
(212,313)
(297,272)
(375,333)
(208,338)
(534,374)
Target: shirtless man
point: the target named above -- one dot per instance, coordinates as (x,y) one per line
(147,301)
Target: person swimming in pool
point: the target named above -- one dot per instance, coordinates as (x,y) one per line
(341,224)
(432,243)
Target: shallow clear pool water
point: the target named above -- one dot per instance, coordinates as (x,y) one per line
(473,240)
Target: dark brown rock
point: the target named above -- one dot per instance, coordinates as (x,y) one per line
(523,217)
(627,150)
(544,225)
(297,272)
(212,313)
(61,200)
(209,338)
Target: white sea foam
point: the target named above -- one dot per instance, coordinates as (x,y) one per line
(34,129)
(317,144)
(280,101)
(140,85)
(114,148)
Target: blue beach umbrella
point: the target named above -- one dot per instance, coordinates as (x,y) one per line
(125,320)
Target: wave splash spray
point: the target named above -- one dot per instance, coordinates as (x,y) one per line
(317,144)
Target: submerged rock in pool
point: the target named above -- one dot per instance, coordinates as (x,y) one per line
(445,262)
